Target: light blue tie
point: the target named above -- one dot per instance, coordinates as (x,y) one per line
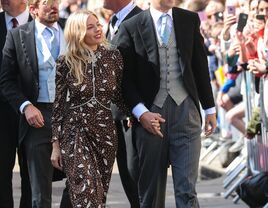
(52,42)
(164,29)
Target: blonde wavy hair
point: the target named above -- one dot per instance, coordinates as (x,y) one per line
(78,53)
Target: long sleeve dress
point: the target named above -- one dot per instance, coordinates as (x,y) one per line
(85,127)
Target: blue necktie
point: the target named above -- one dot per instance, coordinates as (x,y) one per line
(164,29)
(52,42)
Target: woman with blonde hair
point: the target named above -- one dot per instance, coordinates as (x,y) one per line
(84,133)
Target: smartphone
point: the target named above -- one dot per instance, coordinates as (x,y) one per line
(231,10)
(218,16)
(260,17)
(242,21)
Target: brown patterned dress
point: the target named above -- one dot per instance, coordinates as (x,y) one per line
(86,130)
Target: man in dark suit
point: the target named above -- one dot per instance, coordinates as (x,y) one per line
(126,157)
(14,14)
(165,76)
(27,82)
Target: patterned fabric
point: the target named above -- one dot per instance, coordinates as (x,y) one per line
(86,130)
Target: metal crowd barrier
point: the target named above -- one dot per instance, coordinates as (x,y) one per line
(255,158)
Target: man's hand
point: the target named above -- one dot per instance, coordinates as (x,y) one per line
(56,156)
(33,116)
(151,122)
(210,124)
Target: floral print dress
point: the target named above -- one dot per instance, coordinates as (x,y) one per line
(85,128)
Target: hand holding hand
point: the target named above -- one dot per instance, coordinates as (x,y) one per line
(151,122)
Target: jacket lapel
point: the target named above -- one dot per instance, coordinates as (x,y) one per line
(28,45)
(148,36)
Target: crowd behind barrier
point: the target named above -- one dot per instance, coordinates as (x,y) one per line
(235,34)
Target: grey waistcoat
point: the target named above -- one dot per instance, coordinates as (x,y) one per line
(170,74)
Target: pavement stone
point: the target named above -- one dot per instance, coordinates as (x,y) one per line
(210,191)
(210,194)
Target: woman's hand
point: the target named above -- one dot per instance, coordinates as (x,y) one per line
(56,156)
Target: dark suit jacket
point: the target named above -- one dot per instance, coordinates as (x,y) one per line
(117,114)
(137,42)
(19,77)
(133,12)
(3,34)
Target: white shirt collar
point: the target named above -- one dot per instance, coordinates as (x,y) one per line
(120,17)
(156,14)
(124,11)
(21,18)
(41,27)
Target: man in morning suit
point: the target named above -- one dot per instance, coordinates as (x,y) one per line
(14,14)
(165,76)
(126,157)
(27,82)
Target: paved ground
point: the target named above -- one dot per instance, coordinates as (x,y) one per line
(209,193)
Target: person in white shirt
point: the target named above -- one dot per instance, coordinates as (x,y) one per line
(165,76)
(27,82)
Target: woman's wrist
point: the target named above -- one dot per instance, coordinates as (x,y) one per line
(54,140)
